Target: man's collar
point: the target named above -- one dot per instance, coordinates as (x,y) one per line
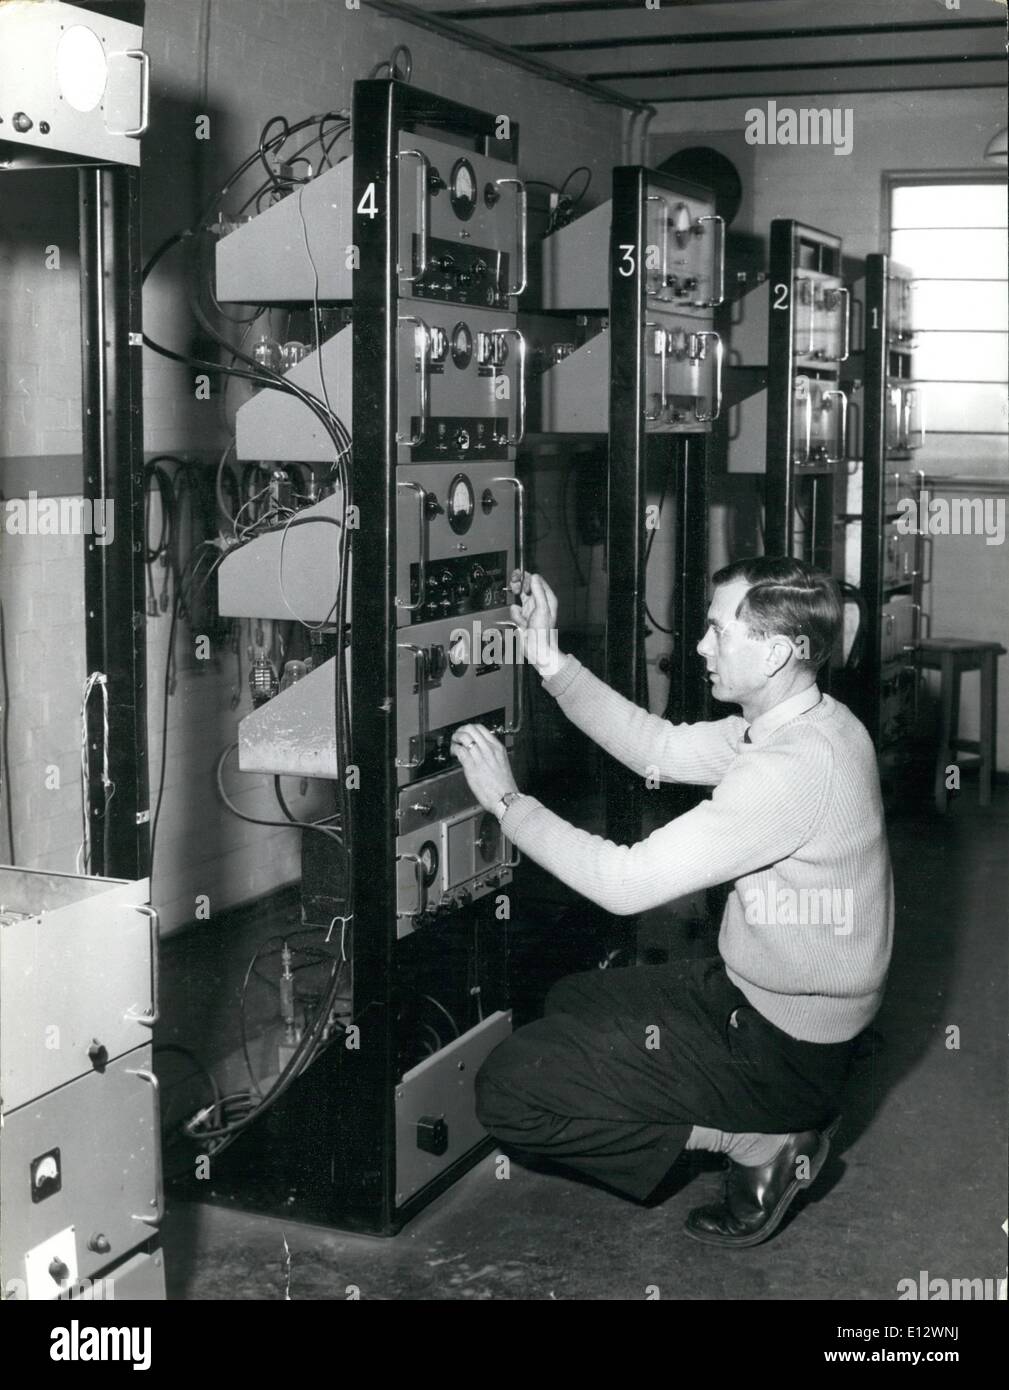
(765,724)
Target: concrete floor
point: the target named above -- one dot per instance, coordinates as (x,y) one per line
(916,1182)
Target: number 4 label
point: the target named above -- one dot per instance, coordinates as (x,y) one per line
(368,206)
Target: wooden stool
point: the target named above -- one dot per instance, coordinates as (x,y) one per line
(951,656)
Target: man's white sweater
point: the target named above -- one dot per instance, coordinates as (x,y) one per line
(795,822)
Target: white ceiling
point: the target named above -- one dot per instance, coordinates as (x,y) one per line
(689,50)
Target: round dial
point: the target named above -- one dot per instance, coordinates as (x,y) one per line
(489,838)
(462,345)
(461,504)
(458,654)
(428,856)
(462,189)
(681,222)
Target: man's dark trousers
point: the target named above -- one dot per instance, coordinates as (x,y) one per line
(625,1062)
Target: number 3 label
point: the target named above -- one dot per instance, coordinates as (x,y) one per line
(627,257)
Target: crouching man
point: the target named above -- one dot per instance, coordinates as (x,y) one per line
(744,1053)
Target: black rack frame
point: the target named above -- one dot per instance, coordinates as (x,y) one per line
(782,481)
(112,443)
(631,449)
(326,1151)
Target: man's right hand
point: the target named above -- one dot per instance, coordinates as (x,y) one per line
(535,615)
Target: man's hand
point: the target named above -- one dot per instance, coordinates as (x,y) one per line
(535,616)
(484,760)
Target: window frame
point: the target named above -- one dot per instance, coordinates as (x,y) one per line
(892,179)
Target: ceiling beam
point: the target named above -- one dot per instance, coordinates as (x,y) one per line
(457,33)
(742,71)
(778,86)
(764,35)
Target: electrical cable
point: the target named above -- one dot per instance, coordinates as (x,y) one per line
(390,65)
(666,631)
(304,1054)
(200,1067)
(581,169)
(97,680)
(569,474)
(294,520)
(431,1000)
(259,820)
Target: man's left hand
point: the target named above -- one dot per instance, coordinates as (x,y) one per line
(484,760)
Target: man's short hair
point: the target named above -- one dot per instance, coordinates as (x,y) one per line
(791,598)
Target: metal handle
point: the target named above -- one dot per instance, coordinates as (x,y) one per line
(417,863)
(716,395)
(150,1016)
(518,688)
(520,519)
(801,280)
(664,239)
(845,324)
(520,408)
(842,433)
(522,210)
(158,1200)
(515,860)
(421,553)
(909,394)
(807,400)
(926,554)
(423,389)
(418,673)
(717,261)
(145,91)
(895,404)
(659,330)
(423,170)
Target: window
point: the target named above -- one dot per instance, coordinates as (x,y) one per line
(952,236)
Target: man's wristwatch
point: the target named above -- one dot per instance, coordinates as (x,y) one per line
(505,802)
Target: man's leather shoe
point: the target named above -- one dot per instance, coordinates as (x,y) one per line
(755,1200)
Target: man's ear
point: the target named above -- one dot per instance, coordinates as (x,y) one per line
(779,652)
